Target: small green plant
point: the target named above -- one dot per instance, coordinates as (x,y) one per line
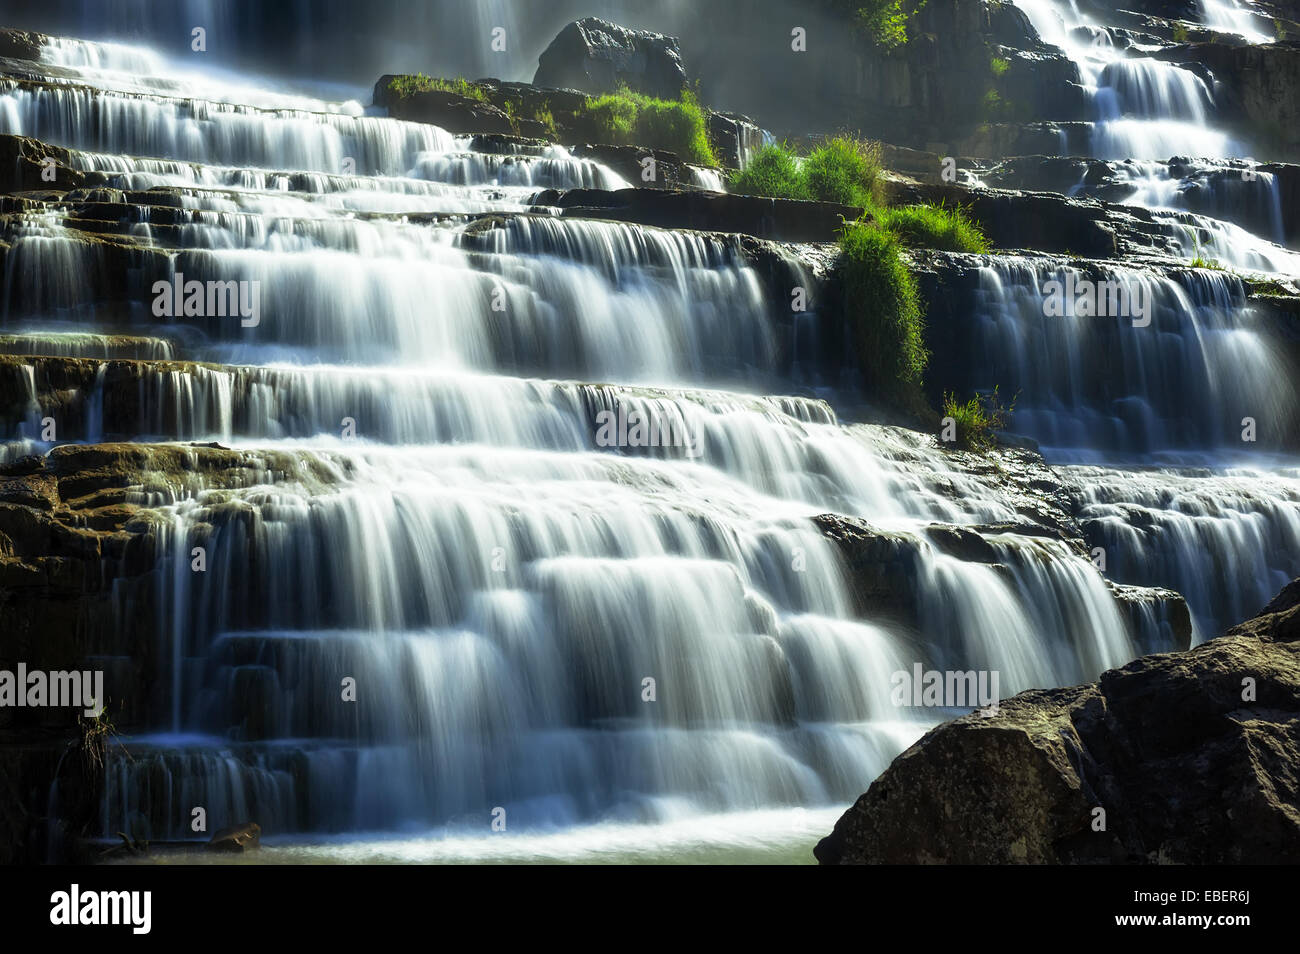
(543,115)
(773,171)
(994,106)
(409,84)
(842,169)
(1279,30)
(846,170)
(885,23)
(96,732)
(1199,260)
(680,125)
(1180,32)
(882,306)
(999,66)
(934,226)
(974,422)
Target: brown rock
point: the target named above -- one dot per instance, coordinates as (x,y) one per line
(237,838)
(1190,763)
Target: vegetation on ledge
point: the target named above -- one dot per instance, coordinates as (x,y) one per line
(409,84)
(941,227)
(882,306)
(680,125)
(973,422)
(885,23)
(842,169)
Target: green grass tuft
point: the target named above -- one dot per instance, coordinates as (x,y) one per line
(976,420)
(934,226)
(773,171)
(680,125)
(842,169)
(412,83)
(883,307)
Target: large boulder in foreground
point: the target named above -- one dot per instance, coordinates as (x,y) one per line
(1188,764)
(597,56)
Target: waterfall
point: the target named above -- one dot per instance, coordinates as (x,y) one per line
(1217,520)
(431,589)
(1226,540)
(1234,16)
(1162,377)
(1145,108)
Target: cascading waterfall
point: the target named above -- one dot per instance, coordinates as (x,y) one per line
(1159,373)
(1219,523)
(1234,16)
(497,583)
(1145,108)
(1182,389)
(1227,541)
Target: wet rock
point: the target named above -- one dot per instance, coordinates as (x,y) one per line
(245,837)
(1034,138)
(597,56)
(24,163)
(1191,757)
(782,219)
(1036,220)
(735,138)
(21,44)
(1138,604)
(670,170)
(881,567)
(444,108)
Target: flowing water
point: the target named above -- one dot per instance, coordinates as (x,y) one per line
(1199,502)
(624,653)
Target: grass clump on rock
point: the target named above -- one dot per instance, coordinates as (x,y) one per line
(934,226)
(882,306)
(676,125)
(841,169)
(773,171)
(969,425)
(411,83)
(845,170)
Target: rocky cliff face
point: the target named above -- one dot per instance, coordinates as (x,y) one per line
(596,56)
(1178,758)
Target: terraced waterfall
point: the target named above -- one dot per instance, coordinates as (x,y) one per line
(396,594)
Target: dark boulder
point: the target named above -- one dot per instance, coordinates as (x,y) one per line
(597,56)
(1185,758)
(21,45)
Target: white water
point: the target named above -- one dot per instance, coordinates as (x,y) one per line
(499,585)
(1236,17)
(1180,390)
